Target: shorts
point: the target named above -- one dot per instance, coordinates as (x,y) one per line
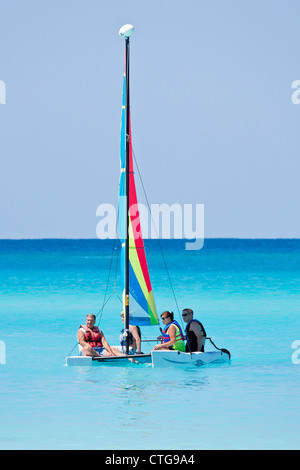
(101,351)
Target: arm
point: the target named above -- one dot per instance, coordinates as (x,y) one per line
(134,331)
(172,334)
(80,337)
(107,346)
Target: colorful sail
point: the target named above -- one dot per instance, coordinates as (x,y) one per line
(142,310)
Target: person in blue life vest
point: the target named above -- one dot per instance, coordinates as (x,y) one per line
(195,332)
(172,336)
(92,341)
(134,338)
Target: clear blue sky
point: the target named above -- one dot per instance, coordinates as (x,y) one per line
(212,116)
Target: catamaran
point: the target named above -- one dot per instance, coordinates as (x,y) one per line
(137,295)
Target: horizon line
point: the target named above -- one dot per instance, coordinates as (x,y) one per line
(154,239)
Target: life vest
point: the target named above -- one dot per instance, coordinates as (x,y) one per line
(93,337)
(123,338)
(191,338)
(131,338)
(179,344)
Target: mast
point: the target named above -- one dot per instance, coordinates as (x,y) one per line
(126,31)
(127,121)
(136,284)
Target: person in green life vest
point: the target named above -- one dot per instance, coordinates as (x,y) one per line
(172,336)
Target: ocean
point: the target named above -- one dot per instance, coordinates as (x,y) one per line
(245,292)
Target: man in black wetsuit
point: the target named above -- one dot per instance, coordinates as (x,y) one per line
(195,332)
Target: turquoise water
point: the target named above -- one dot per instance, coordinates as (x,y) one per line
(246,293)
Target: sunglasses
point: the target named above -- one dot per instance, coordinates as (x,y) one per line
(163,318)
(185,314)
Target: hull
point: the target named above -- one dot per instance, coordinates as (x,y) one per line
(196,359)
(87,361)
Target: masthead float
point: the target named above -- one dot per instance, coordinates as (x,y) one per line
(126,31)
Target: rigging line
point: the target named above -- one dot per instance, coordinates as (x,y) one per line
(104,300)
(107,283)
(111,261)
(162,253)
(117,258)
(103,305)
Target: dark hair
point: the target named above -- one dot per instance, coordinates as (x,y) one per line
(168,314)
(187,310)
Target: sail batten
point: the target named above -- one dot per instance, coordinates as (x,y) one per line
(142,310)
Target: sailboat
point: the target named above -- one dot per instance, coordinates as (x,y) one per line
(138,301)
(137,295)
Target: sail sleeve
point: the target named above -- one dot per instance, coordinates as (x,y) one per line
(142,309)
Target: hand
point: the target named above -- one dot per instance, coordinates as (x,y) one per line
(157,346)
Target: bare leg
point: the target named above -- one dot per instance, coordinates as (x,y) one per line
(117,352)
(89,351)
